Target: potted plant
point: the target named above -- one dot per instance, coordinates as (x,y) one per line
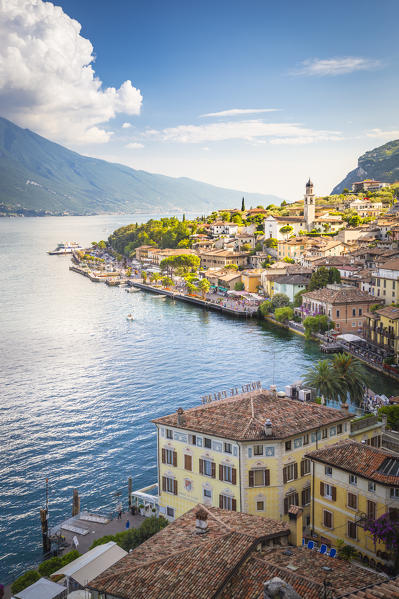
(142,511)
(154,510)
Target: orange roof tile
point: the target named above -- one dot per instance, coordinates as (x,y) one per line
(178,563)
(242,417)
(361,459)
(300,567)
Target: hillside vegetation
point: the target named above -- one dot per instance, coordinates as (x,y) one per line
(381,164)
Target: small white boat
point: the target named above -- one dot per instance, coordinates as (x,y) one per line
(129,317)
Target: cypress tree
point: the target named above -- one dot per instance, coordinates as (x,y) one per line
(243,204)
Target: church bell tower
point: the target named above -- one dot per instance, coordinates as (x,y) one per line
(309,206)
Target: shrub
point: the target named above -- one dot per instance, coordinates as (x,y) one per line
(279,300)
(392,413)
(284,314)
(239,286)
(49,566)
(24,581)
(70,557)
(265,307)
(129,539)
(345,552)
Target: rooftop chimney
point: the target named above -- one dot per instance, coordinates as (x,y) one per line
(180,413)
(201,522)
(273,391)
(268,428)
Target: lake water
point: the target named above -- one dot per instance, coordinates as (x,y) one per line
(80,384)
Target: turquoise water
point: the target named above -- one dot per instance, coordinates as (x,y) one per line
(80,384)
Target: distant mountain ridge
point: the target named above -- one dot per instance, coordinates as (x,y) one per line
(40,175)
(381,164)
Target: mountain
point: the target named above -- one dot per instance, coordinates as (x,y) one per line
(39,175)
(381,164)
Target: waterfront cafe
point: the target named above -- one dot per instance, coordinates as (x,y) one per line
(247,297)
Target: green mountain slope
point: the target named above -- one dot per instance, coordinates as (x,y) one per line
(381,164)
(37,174)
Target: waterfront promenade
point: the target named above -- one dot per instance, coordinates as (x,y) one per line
(218,304)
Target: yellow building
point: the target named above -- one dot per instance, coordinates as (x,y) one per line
(354,483)
(385,281)
(382,327)
(244,452)
(252,279)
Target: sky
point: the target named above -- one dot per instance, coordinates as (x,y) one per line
(254,95)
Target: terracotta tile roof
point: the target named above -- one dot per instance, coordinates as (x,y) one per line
(302,569)
(392,264)
(242,417)
(345,295)
(361,459)
(388,589)
(178,563)
(293,279)
(389,312)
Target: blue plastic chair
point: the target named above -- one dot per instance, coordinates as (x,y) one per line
(303,542)
(323,549)
(310,544)
(333,552)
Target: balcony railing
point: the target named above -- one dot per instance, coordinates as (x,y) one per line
(358,425)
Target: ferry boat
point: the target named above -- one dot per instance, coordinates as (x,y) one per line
(65,248)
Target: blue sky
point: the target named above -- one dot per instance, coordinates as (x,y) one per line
(323,78)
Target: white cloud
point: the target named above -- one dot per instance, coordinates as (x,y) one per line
(336,66)
(393,134)
(134,145)
(249,130)
(126,125)
(47,81)
(239,111)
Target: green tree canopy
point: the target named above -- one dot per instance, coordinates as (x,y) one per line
(204,286)
(322,378)
(189,261)
(279,300)
(239,286)
(392,413)
(167,282)
(337,378)
(24,581)
(286,230)
(271,242)
(322,277)
(298,298)
(265,307)
(284,314)
(317,324)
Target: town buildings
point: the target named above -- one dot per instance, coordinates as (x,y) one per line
(381,327)
(209,553)
(366,207)
(367,185)
(244,453)
(353,484)
(345,306)
(221,258)
(385,281)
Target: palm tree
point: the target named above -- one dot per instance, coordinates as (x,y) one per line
(204,285)
(323,379)
(352,376)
